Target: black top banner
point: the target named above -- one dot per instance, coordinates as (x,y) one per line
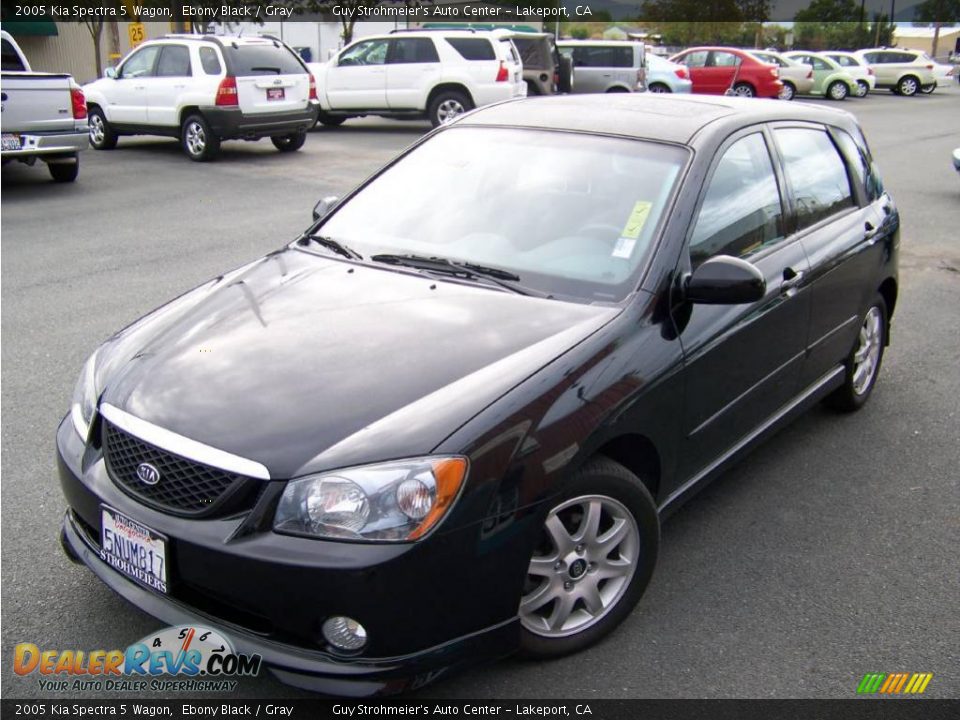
(488,11)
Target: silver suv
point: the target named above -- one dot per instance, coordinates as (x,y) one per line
(601,66)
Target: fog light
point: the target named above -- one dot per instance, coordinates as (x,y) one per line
(344,633)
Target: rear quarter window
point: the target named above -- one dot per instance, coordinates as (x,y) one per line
(473,48)
(210,61)
(603,56)
(247,60)
(11,61)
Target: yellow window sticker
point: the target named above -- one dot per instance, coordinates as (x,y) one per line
(636,221)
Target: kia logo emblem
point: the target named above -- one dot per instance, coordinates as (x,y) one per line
(148,474)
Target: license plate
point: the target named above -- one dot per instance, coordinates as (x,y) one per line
(11,141)
(133,549)
(275,94)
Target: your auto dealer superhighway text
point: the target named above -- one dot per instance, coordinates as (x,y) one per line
(453,710)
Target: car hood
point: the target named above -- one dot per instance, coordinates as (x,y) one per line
(303,363)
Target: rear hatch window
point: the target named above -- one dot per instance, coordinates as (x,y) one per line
(266,59)
(270,78)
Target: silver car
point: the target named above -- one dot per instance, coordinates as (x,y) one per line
(601,66)
(797,77)
(665,76)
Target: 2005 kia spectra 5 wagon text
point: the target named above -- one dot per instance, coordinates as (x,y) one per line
(445,423)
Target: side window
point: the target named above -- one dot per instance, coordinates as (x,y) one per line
(724,59)
(174,61)
(816,173)
(209,61)
(741,210)
(11,61)
(372,52)
(140,64)
(872,58)
(473,48)
(695,59)
(907,58)
(863,166)
(819,64)
(413,50)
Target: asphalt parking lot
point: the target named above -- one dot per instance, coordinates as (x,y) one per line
(829,553)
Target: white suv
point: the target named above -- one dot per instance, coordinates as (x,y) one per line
(204,89)
(903,72)
(437,74)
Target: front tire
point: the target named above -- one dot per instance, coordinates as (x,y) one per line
(863,363)
(289,143)
(838,90)
(908,86)
(102,136)
(659,87)
(447,106)
(863,88)
(789,92)
(65,172)
(198,140)
(331,120)
(928,89)
(592,563)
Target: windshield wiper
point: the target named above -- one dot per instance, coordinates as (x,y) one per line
(333,245)
(267,68)
(467,271)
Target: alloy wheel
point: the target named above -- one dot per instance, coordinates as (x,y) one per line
(788,92)
(743,90)
(865,359)
(908,86)
(196,138)
(449,109)
(96,129)
(582,566)
(838,91)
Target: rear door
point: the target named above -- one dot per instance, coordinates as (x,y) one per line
(270,77)
(591,69)
(721,71)
(127,95)
(170,79)
(742,362)
(413,65)
(358,78)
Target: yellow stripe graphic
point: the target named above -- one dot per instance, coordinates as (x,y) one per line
(926,681)
(914,681)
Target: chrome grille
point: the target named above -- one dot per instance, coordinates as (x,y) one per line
(186,487)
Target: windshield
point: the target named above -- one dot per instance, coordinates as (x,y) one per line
(574,216)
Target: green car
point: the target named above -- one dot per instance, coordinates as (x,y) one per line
(830,79)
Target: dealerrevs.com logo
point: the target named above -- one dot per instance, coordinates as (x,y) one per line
(203,657)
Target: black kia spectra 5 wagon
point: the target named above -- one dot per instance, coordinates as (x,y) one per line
(446,422)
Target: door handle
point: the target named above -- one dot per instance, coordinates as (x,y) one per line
(140,87)
(791,278)
(870,233)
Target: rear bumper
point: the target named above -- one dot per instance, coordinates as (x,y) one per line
(61,143)
(230,122)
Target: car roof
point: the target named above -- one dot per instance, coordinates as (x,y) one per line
(605,43)
(650,116)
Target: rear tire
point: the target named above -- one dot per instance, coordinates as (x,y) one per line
(65,172)
(289,143)
(864,361)
(102,136)
(198,140)
(659,87)
(575,592)
(446,106)
(744,90)
(863,88)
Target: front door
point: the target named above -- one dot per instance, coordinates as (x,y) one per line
(358,80)
(127,96)
(167,85)
(742,362)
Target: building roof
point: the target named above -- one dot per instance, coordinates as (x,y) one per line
(648,115)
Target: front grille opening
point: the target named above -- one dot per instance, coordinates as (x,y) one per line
(185,487)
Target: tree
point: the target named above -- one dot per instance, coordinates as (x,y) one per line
(829,24)
(937,12)
(95,28)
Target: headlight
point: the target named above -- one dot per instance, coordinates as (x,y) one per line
(85,397)
(394,501)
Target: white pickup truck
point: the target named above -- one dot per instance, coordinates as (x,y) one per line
(44,115)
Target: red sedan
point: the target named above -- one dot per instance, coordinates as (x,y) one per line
(715,70)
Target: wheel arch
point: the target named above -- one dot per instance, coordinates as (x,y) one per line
(449,87)
(888,290)
(186,112)
(638,454)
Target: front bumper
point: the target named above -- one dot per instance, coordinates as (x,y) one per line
(231,123)
(60,143)
(429,607)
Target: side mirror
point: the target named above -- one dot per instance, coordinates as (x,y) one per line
(725,280)
(110,73)
(323,208)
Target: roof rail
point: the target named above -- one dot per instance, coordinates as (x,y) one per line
(433,29)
